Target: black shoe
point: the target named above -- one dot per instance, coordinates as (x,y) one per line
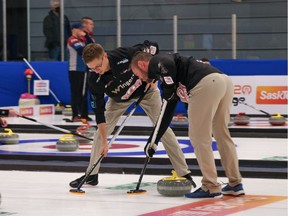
(92,180)
(87,118)
(188,177)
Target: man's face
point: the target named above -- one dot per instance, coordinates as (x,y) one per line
(141,70)
(55,5)
(88,25)
(99,65)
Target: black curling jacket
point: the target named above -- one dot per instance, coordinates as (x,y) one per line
(178,75)
(119,83)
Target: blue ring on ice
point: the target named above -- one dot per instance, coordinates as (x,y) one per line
(187,149)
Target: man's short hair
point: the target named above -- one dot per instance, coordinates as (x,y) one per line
(86,18)
(140,56)
(77,25)
(92,51)
(52,2)
(205,59)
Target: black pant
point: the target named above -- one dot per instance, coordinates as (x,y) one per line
(78,100)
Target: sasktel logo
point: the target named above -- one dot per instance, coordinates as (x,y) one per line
(272,95)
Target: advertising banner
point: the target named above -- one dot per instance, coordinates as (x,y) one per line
(268,93)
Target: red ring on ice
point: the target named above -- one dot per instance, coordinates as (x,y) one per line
(88,146)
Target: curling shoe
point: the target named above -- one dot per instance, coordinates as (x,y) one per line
(188,177)
(200,193)
(234,191)
(92,180)
(87,118)
(76,119)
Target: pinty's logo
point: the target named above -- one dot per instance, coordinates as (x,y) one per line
(27,111)
(46,110)
(272,95)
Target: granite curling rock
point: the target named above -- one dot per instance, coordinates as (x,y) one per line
(241,119)
(277,120)
(59,109)
(67,111)
(86,130)
(174,186)
(67,143)
(9,138)
(179,120)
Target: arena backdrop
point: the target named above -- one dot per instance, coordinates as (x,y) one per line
(260,83)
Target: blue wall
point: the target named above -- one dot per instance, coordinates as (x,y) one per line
(251,67)
(13,81)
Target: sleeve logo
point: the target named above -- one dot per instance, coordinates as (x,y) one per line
(153,50)
(182,93)
(168,80)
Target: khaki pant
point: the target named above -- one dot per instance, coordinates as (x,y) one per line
(209,113)
(151,104)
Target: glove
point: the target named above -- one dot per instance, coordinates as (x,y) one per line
(169,94)
(169,97)
(150,149)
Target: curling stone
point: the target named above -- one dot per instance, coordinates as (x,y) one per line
(277,120)
(67,143)
(174,186)
(241,119)
(179,120)
(86,130)
(59,108)
(67,111)
(9,138)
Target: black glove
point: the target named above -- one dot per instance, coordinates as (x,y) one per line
(150,149)
(169,94)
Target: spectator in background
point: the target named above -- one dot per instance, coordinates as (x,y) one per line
(78,73)
(51,30)
(88,27)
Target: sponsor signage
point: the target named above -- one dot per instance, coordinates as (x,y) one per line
(26,111)
(268,93)
(35,110)
(46,110)
(271,95)
(41,87)
(219,207)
